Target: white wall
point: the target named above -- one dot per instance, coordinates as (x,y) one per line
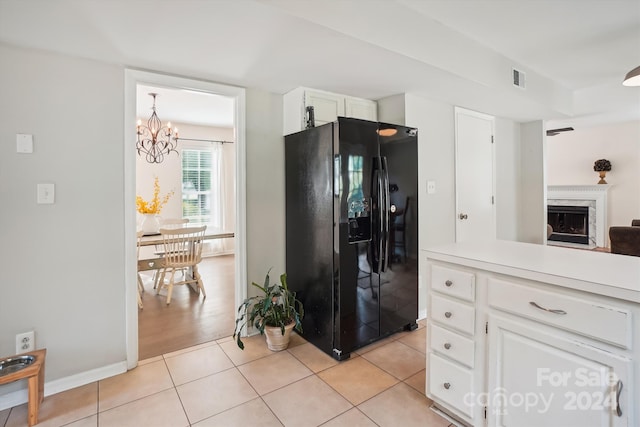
(52,282)
(507,149)
(62,264)
(570,158)
(533,189)
(265,186)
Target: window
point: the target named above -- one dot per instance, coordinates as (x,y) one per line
(200,186)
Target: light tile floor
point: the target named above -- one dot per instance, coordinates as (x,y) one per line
(217,384)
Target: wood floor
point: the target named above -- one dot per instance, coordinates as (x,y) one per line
(189,319)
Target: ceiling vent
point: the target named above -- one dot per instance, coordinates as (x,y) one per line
(518,78)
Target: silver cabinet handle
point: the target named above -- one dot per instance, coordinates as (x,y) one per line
(447,314)
(618,391)
(463,216)
(448,283)
(447,345)
(550,310)
(447,386)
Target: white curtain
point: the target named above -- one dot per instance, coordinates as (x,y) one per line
(217,199)
(202,164)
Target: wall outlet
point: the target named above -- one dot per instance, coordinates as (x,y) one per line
(25,342)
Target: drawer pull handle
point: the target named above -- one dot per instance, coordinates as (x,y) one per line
(447,314)
(550,310)
(447,345)
(448,283)
(447,386)
(618,391)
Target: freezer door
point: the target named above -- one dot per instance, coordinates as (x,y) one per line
(358,322)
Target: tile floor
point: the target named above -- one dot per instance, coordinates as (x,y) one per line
(217,384)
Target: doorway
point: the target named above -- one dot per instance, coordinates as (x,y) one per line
(475,176)
(134,78)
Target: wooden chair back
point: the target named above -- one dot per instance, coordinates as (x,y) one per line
(182,246)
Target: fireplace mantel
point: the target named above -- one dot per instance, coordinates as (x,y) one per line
(594,193)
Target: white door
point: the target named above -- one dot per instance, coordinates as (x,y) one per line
(475,183)
(538,379)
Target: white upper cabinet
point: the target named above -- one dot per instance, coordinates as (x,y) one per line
(327,107)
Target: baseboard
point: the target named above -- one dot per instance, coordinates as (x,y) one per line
(423,314)
(19,397)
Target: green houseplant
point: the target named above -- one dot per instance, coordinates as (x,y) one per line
(274,313)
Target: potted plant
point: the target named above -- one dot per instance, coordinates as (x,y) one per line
(274,313)
(602,166)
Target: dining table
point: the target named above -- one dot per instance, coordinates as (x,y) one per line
(156,263)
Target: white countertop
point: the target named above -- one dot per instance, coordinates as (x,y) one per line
(602,273)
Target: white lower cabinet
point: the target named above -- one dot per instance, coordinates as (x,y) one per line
(537,378)
(509,351)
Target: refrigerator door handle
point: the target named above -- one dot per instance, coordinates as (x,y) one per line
(380,242)
(386,213)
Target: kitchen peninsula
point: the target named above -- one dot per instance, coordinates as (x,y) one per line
(527,335)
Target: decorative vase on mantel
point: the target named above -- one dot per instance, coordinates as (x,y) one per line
(602,166)
(150,224)
(602,175)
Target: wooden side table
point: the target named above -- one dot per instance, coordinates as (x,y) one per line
(34,374)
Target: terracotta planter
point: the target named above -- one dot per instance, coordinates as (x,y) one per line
(275,340)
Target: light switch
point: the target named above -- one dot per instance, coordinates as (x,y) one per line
(46,193)
(431,187)
(24,143)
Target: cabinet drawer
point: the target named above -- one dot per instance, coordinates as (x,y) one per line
(452,345)
(450,383)
(454,314)
(459,284)
(605,323)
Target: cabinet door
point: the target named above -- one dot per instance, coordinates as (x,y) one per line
(326,106)
(361,109)
(537,378)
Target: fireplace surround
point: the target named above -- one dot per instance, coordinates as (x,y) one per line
(593,198)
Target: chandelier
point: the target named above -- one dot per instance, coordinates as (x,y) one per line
(154,140)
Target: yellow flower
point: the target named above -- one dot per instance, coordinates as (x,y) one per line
(155,205)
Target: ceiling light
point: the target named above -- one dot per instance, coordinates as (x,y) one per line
(632,78)
(155,140)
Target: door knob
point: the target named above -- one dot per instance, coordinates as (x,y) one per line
(463,216)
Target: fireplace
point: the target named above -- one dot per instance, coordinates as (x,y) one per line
(591,197)
(570,223)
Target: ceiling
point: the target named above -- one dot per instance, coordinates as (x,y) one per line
(574,53)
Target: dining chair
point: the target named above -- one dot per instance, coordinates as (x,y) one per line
(166,222)
(139,234)
(183,249)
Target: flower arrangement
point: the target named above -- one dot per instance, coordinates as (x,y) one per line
(602,165)
(156,204)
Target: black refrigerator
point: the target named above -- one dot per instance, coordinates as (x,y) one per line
(352,233)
